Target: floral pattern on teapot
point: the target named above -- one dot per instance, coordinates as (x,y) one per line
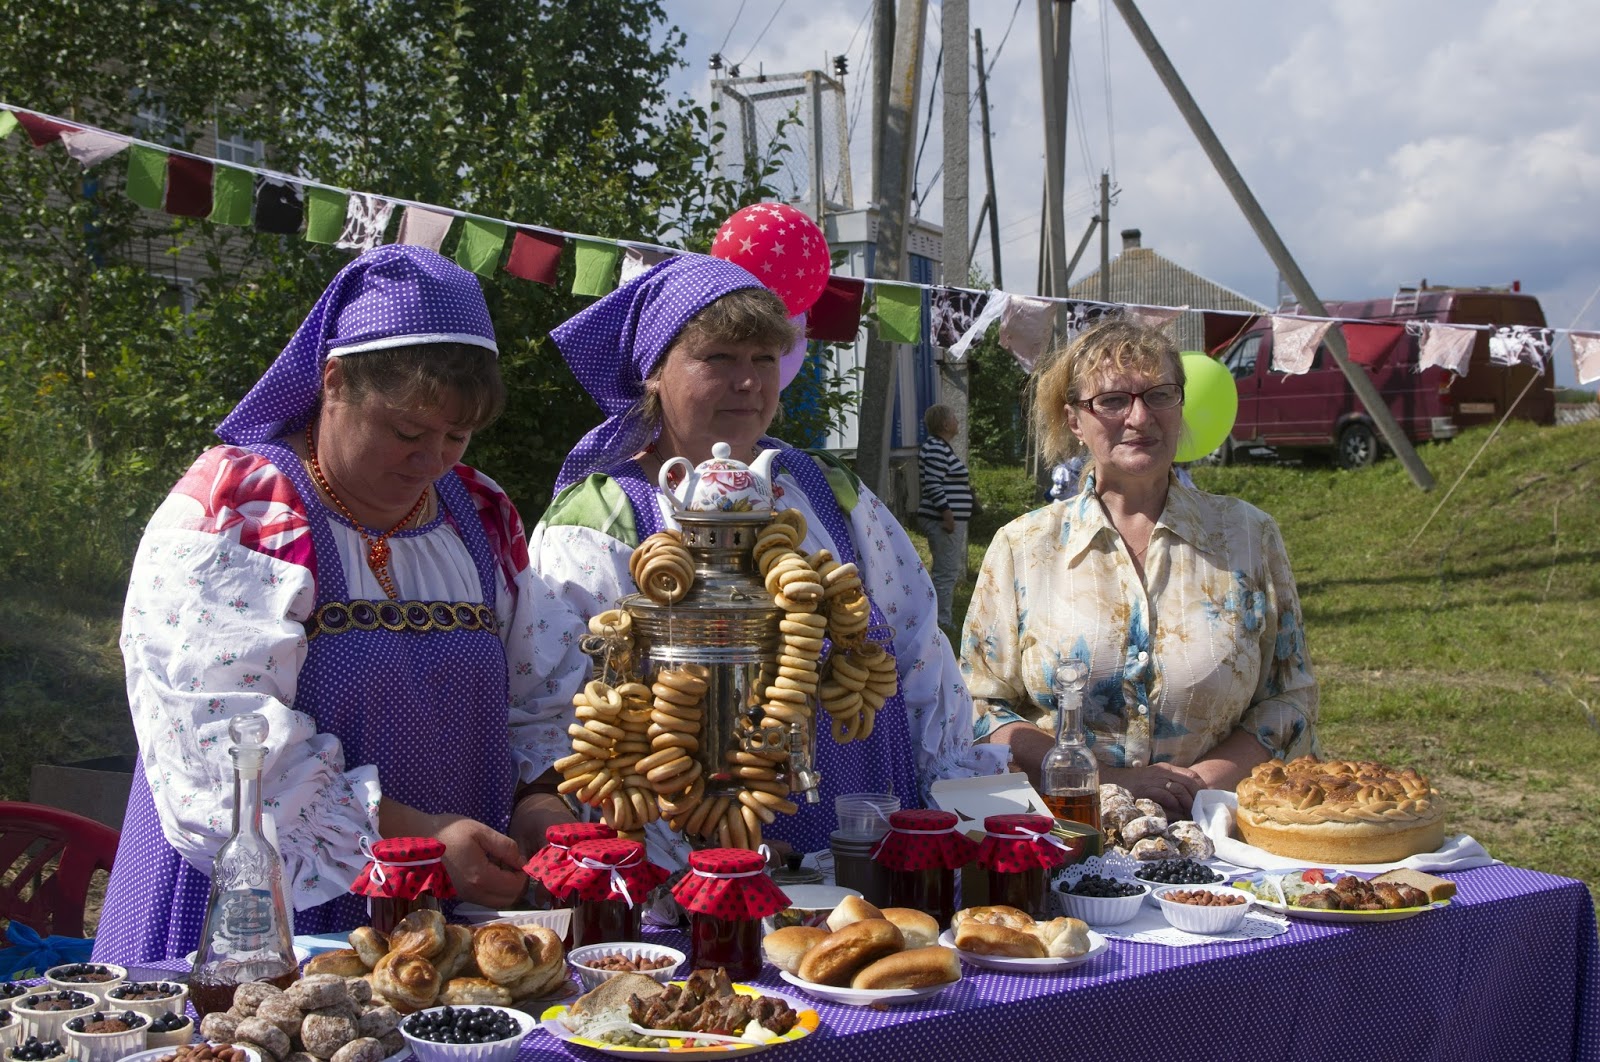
(720,484)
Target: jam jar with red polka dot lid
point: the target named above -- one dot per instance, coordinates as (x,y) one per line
(922,851)
(403,874)
(550,867)
(607,887)
(727,893)
(1019,852)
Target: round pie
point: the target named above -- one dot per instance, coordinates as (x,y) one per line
(1339,811)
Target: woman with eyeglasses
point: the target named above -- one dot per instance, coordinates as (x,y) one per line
(1180,604)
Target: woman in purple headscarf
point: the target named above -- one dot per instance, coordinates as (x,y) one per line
(334,568)
(682,357)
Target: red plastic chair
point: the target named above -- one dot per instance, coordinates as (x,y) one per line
(50,899)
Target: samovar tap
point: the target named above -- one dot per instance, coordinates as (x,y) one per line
(803,776)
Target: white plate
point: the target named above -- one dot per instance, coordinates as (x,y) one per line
(808,1023)
(158,1052)
(1257,879)
(864,997)
(1007,964)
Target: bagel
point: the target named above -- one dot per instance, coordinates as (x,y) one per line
(836,959)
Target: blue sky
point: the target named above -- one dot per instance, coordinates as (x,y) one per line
(1453,140)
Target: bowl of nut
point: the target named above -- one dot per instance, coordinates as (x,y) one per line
(1203,908)
(197,1053)
(466,1034)
(601,962)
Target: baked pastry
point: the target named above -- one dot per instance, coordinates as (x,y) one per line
(840,956)
(1339,811)
(409,982)
(502,953)
(851,909)
(915,968)
(998,915)
(345,962)
(920,929)
(1063,938)
(784,948)
(545,946)
(420,932)
(369,944)
(474,990)
(456,956)
(985,939)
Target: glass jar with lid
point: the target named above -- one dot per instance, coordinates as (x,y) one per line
(1019,852)
(727,893)
(550,866)
(922,852)
(607,887)
(403,874)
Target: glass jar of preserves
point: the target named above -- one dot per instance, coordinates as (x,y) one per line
(921,852)
(550,866)
(606,888)
(727,893)
(1019,852)
(403,874)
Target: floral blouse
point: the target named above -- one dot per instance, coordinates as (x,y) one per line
(1210,640)
(213,627)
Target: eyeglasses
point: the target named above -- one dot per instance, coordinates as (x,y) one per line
(1119,403)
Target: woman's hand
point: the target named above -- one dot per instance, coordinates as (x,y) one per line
(485,865)
(535,813)
(1170,786)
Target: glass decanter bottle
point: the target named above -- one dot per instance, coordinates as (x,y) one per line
(1069,775)
(247,933)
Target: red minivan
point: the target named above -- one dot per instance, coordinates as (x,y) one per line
(1318,410)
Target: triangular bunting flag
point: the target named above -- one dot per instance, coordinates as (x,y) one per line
(1294,344)
(1520,345)
(365,221)
(836,315)
(231,193)
(596,272)
(42,130)
(8,122)
(188,187)
(951,312)
(535,256)
(1025,328)
(278,207)
(992,311)
(325,213)
(899,312)
(1586,356)
(480,245)
(1153,316)
(423,228)
(147,175)
(90,147)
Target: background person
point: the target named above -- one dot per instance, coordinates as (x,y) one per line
(336,569)
(1180,604)
(947,501)
(682,357)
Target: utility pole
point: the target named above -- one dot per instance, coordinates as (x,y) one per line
(895,160)
(1055,42)
(1105,236)
(1083,243)
(1359,383)
(953,380)
(988,164)
(882,77)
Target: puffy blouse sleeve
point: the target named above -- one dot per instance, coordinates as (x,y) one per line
(1283,711)
(991,651)
(213,628)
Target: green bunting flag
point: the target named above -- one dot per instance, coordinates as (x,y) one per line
(595,270)
(147,175)
(899,313)
(232,192)
(325,213)
(479,246)
(8,122)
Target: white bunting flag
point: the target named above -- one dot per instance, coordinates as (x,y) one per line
(89,147)
(423,228)
(1294,343)
(1586,356)
(1447,347)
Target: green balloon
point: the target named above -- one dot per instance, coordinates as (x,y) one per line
(1210,403)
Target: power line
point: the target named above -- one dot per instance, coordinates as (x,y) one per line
(1105,65)
(1004,36)
(729,35)
(927,125)
(763,32)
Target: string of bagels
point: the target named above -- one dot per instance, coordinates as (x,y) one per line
(634,745)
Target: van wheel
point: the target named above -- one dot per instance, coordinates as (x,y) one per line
(1358,446)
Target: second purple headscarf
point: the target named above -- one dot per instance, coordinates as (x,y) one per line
(613,346)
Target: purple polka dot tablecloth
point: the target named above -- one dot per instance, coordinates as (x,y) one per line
(1509,970)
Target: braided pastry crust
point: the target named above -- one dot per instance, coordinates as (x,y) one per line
(1340,810)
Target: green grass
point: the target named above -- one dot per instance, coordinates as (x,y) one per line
(1473,654)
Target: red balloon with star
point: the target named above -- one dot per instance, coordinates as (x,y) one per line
(783,248)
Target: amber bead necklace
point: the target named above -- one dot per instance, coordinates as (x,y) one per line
(377,548)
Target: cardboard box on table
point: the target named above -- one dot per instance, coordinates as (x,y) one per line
(974,799)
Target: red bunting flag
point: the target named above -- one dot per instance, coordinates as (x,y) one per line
(42,130)
(535,255)
(836,315)
(188,187)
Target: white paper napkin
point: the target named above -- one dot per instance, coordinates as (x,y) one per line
(1214,810)
(1150,926)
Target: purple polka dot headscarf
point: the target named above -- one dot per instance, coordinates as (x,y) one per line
(393,296)
(613,345)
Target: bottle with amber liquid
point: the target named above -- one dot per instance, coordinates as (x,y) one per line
(247,935)
(1069,775)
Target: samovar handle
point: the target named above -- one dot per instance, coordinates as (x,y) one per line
(803,776)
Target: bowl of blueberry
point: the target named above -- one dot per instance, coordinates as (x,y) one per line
(154,998)
(35,1050)
(11,991)
(466,1034)
(91,978)
(106,1035)
(8,1030)
(44,1013)
(171,1029)
(1102,901)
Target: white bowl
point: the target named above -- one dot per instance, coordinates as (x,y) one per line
(1196,919)
(592,976)
(14,986)
(46,1024)
(1104,910)
(809,905)
(172,1001)
(107,1046)
(173,1038)
(494,1051)
(9,1054)
(97,989)
(8,1031)
(155,1054)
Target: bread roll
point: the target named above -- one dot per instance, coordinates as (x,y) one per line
(1063,938)
(920,929)
(851,910)
(784,948)
(998,915)
(408,981)
(345,962)
(986,939)
(916,968)
(457,954)
(840,956)
(369,944)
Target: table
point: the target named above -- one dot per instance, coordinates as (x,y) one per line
(1509,970)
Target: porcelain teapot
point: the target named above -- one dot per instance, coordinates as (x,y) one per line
(721,484)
